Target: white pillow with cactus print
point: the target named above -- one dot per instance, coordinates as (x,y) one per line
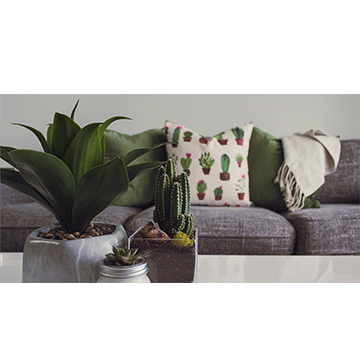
(217,167)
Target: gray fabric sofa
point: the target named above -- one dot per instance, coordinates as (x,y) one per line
(333,229)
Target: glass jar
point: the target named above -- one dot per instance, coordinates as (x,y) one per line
(123,274)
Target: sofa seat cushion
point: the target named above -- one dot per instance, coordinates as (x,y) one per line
(334,229)
(234,231)
(18,221)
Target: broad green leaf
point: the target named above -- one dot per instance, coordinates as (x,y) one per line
(51,178)
(13,179)
(64,131)
(84,152)
(135,170)
(87,150)
(108,122)
(74,109)
(5,150)
(40,136)
(97,189)
(134,154)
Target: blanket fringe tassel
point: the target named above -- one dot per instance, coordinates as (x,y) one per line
(293,196)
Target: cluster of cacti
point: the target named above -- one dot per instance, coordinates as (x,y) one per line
(172,201)
(122,257)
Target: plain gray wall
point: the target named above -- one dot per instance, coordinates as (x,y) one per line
(207,114)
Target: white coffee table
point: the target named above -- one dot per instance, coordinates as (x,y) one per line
(243,269)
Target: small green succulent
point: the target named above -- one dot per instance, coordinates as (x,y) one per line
(123,257)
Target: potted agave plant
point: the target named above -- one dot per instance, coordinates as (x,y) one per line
(169,242)
(71,179)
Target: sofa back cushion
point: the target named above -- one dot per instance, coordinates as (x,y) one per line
(9,196)
(142,188)
(343,186)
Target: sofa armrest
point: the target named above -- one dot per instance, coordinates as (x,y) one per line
(343,186)
(10,196)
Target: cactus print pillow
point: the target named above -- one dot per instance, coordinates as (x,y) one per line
(217,167)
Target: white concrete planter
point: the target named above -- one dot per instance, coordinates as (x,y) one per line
(73,261)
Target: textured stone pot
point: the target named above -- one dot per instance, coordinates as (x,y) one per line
(57,261)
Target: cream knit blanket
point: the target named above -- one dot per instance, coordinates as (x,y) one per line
(308,158)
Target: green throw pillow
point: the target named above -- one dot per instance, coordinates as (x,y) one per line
(265,158)
(141,189)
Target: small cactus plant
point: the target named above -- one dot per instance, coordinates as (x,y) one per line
(123,257)
(172,201)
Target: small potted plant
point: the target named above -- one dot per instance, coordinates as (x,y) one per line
(72,180)
(187,136)
(201,188)
(220,139)
(206,162)
(239,135)
(239,158)
(240,187)
(218,192)
(123,265)
(169,242)
(185,163)
(225,164)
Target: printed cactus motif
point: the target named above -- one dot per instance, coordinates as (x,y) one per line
(206,162)
(220,139)
(176,136)
(218,192)
(172,201)
(240,187)
(239,135)
(225,164)
(188,136)
(186,162)
(239,158)
(201,188)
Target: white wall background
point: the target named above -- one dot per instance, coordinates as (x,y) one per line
(207,114)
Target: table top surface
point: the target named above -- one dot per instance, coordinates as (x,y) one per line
(243,269)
